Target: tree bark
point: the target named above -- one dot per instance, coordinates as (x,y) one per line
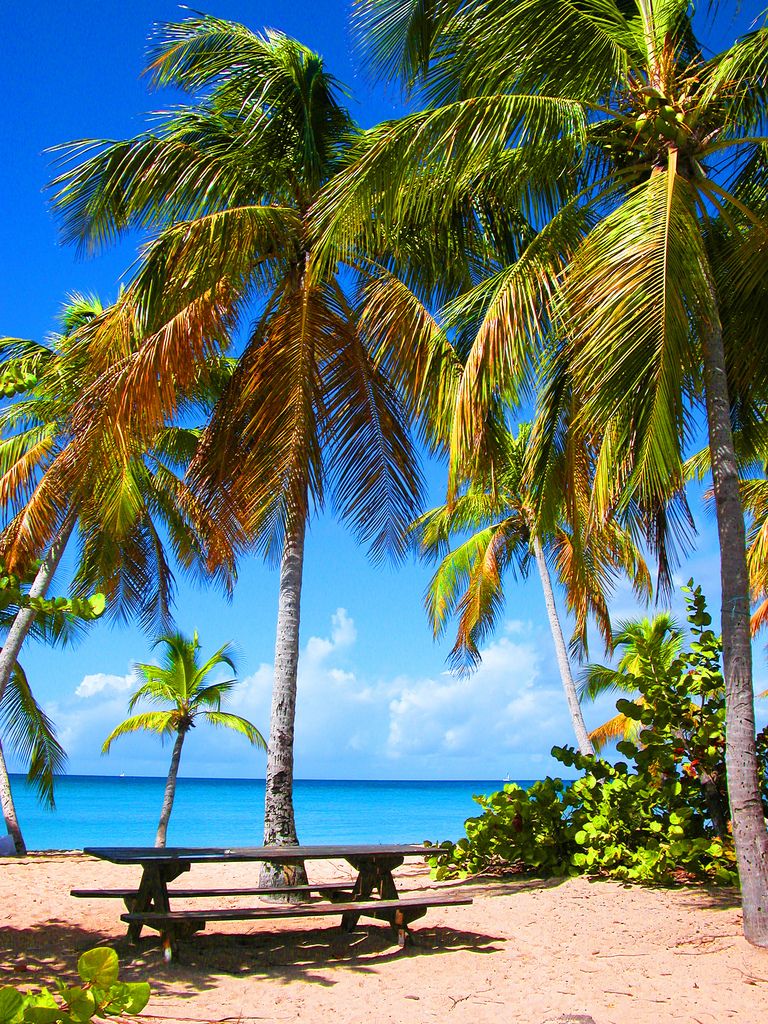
(9,655)
(279,818)
(170,790)
(9,808)
(26,616)
(749,831)
(582,737)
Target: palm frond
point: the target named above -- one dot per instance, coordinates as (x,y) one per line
(32,734)
(238,724)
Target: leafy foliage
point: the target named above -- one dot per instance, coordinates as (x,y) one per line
(101,994)
(58,608)
(659,816)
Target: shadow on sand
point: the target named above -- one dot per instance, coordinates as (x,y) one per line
(34,956)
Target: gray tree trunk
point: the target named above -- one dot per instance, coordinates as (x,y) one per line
(749,831)
(9,655)
(170,790)
(279,818)
(26,616)
(561,651)
(9,808)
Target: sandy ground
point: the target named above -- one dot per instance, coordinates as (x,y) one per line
(552,952)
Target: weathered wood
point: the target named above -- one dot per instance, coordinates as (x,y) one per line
(399,913)
(153,892)
(369,908)
(122,894)
(284,854)
(149,904)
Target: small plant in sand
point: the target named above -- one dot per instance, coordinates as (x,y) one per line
(100,994)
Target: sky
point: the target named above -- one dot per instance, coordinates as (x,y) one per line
(375,697)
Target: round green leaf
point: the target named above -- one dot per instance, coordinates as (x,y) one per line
(11,1003)
(99,966)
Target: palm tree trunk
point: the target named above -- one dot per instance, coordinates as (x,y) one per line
(279,819)
(170,790)
(749,831)
(26,616)
(582,737)
(9,655)
(9,809)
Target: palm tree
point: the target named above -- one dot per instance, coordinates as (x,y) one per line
(648,644)
(121,502)
(180,684)
(227,181)
(662,151)
(508,536)
(24,725)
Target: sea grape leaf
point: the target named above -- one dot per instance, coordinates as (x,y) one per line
(11,1003)
(99,966)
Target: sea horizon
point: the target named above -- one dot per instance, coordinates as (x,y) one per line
(108,810)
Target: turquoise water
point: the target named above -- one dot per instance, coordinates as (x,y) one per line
(96,810)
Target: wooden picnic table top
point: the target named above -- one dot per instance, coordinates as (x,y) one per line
(275,854)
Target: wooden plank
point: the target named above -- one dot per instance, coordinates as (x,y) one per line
(276,854)
(346,887)
(367,907)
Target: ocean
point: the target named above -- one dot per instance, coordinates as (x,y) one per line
(94,810)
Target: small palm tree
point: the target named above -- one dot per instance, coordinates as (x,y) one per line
(181,683)
(647,644)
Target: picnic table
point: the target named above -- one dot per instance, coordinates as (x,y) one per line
(372,893)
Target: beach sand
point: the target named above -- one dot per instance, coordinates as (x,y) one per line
(538,952)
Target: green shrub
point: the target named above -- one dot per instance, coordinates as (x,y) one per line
(658,817)
(101,994)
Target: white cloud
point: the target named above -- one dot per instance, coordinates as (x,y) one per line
(343,634)
(348,725)
(100,682)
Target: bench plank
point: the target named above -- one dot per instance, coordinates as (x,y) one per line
(297,910)
(399,913)
(121,894)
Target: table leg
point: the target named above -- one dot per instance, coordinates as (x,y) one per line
(374,873)
(153,892)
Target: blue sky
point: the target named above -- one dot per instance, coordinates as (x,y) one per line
(375,699)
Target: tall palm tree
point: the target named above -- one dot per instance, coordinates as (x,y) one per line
(226,182)
(121,502)
(647,644)
(663,151)
(508,536)
(180,684)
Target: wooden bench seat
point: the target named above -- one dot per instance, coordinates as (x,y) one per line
(399,913)
(345,887)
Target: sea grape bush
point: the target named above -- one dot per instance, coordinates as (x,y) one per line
(660,815)
(101,994)
(13,595)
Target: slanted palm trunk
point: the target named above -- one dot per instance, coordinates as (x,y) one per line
(10,654)
(582,738)
(9,808)
(26,616)
(749,831)
(279,820)
(170,789)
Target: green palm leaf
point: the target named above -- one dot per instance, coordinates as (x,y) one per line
(31,733)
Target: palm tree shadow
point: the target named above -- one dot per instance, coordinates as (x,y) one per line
(36,955)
